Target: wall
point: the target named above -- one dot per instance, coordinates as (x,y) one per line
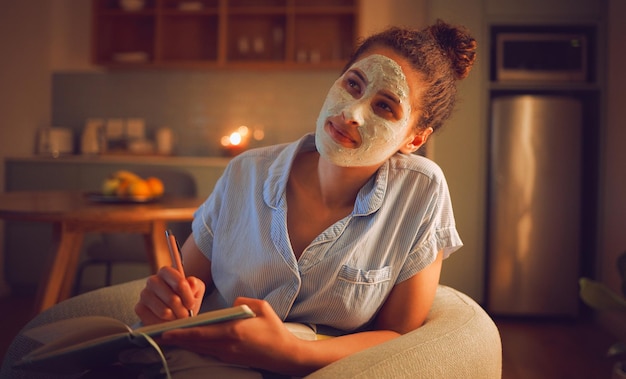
(70,35)
(376,15)
(614,174)
(24,81)
(612,228)
(460,149)
(24,73)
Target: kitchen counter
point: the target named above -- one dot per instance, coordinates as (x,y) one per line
(87,172)
(156,160)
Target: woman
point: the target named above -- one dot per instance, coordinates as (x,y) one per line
(345,229)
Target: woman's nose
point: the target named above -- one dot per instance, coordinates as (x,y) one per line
(353,115)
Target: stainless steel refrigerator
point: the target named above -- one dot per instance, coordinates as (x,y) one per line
(534,205)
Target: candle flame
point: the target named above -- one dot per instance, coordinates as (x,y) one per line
(241,137)
(235,138)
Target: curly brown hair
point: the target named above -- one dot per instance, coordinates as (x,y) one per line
(441,52)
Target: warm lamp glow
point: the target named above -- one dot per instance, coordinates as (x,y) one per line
(238,141)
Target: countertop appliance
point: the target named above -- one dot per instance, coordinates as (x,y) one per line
(55,141)
(542,54)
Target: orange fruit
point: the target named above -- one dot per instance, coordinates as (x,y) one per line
(139,188)
(156,186)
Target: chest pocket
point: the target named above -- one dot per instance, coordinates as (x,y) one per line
(363,290)
(358,276)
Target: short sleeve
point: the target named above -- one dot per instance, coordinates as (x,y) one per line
(438,233)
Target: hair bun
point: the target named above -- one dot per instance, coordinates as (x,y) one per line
(457,44)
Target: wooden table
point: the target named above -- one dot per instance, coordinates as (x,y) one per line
(73,214)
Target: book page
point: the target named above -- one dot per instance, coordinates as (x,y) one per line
(86,342)
(78,328)
(302,331)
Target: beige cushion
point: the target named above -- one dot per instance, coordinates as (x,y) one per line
(459,339)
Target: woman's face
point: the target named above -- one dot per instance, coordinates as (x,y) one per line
(368,115)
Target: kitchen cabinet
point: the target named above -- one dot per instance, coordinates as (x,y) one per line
(538,11)
(278,34)
(27,244)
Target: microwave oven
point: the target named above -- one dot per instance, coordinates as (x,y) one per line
(534,56)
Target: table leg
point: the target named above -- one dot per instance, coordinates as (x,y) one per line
(72,265)
(156,246)
(62,268)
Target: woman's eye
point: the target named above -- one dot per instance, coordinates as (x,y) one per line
(353,84)
(385,107)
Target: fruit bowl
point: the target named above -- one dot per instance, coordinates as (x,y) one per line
(100,197)
(125,186)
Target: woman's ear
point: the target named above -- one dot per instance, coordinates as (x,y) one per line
(417,141)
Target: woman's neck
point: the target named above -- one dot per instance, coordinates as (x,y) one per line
(336,186)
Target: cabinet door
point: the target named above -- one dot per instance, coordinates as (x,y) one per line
(188,32)
(320,39)
(121,36)
(256,39)
(324,31)
(540,9)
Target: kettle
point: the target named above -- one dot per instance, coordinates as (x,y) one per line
(92,138)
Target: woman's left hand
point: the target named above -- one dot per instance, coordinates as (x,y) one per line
(260,342)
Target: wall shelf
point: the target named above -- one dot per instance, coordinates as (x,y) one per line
(224,34)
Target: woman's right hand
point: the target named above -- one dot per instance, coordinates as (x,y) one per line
(168,295)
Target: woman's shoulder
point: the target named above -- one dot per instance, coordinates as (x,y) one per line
(418,165)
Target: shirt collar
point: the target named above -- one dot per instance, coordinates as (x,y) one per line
(369,198)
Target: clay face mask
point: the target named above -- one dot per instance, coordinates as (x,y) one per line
(380,135)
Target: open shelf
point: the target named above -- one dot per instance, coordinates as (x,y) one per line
(224,33)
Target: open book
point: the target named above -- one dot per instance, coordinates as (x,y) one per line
(77,344)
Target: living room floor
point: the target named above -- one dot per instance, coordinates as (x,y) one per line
(543,349)
(532,349)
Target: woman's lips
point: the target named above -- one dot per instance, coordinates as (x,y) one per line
(341,137)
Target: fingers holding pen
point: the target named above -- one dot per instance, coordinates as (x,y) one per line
(160,299)
(198,289)
(169,296)
(188,292)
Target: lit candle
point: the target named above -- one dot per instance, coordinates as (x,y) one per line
(236,142)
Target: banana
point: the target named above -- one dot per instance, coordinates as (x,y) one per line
(119,183)
(126,175)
